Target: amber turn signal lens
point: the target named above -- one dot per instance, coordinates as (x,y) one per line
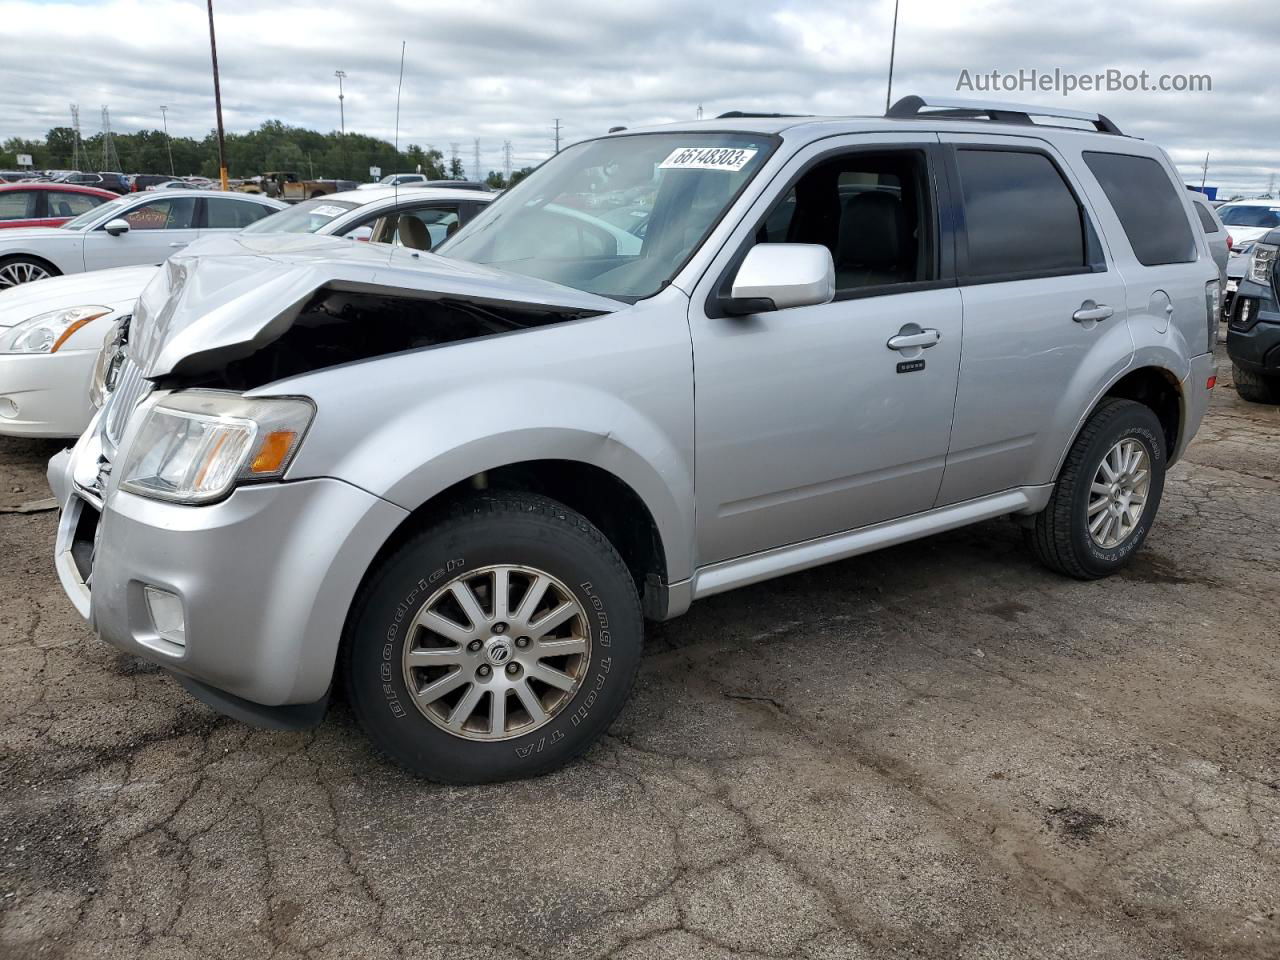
(272,451)
(66,334)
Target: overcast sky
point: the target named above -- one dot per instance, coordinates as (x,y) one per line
(505,69)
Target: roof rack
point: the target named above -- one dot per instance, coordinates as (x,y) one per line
(951,108)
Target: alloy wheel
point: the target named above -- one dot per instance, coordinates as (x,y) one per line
(497,652)
(19,272)
(1118,494)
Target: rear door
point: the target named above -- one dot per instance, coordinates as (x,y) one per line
(158,228)
(1044,312)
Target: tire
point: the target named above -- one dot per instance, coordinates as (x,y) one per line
(525,535)
(1061,537)
(15,271)
(1255,387)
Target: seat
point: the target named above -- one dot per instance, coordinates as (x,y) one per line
(413,233)
(875,245)
(64,209)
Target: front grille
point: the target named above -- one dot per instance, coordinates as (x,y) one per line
(131,389)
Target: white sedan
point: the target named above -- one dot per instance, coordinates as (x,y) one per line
(140,228)
(52,332)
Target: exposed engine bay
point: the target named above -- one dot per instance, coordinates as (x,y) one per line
(341,326)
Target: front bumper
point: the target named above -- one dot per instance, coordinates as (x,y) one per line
(265,577)
(45,394)
(1253,329)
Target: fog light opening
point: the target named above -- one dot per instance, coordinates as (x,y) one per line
(8,408)
(167,615)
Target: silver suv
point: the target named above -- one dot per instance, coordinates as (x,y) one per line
(671,362)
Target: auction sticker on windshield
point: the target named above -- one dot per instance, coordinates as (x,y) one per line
(328,211)
(729,159)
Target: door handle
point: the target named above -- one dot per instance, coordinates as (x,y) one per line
(905,341)
(1092,311)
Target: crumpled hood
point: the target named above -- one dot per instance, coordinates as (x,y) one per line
(111,288)
(227,296)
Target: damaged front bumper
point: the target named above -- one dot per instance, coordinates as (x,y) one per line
(263,580)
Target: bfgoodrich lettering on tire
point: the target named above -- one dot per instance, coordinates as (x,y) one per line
(499,643)
(1107,494)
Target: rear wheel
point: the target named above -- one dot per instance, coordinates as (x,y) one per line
(497,644)
(1107,494)
(18,270)
(1255,387)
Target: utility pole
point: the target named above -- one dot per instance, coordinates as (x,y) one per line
(217,102)
(453,161)
(699,111)
(557,135)
(1204,173)
(893,48)
(506,162)
(168,145)
(475,161)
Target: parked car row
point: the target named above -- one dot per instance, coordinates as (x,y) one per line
(52,331)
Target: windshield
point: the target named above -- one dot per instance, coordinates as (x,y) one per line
(573,221)
(1248,216)
(306,217)
(110,210)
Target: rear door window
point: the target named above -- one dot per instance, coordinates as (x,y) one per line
(1206,218)
(223,214)
(18,205)
(1022,219)
(67,204)
(1148,205)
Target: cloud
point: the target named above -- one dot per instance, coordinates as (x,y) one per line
(506,69)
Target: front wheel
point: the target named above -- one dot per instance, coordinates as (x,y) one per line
(19,270)
(498,644)
(1107,494)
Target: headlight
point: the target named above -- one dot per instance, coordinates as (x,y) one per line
(196,445)
(1261,261)
(46,332)
(107,364)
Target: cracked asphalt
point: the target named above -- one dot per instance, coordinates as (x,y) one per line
(940,750)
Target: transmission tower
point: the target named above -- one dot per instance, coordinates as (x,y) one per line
(75,136)
(110,160)
(557,135)
(699,111)
(506,161)
(475,160)
(453,159)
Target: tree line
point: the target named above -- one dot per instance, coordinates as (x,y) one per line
(273,146)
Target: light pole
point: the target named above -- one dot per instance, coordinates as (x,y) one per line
(217,102)
(167,144)
(342,118)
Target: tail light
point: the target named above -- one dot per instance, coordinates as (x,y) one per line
(1231,244)
(1213,306)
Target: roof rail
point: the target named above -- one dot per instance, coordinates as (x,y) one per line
(952,108)
(742,114)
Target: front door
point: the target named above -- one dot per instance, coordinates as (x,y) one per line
(158,229)
(815,420)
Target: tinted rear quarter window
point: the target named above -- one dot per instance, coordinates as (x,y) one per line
(1148,205)
(1021,217)
(1206,218)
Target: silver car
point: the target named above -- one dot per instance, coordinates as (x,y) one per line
(456,482)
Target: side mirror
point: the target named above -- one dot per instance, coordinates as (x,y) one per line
(117,226)
(775,276)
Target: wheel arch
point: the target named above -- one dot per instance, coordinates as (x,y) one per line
(1155,386)
(45,262)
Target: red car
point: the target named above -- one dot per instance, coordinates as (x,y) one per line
(46,204)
